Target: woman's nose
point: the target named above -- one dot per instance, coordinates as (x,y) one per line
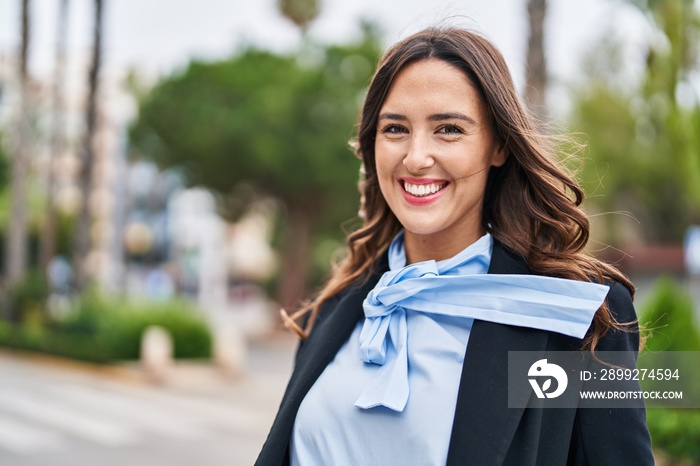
(419,156)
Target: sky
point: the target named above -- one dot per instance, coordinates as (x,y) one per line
(158,36)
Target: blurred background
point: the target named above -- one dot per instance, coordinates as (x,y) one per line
(174,172)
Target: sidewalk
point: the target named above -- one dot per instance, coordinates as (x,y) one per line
(269,358)
(58,412)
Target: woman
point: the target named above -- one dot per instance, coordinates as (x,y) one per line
(470,248)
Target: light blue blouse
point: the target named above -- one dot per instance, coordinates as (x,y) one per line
(411,345)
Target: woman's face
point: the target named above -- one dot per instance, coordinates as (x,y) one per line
(433,150)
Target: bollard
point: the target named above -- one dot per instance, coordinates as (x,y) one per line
(157,353)
(230,350)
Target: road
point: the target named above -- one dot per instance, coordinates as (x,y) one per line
(64,414)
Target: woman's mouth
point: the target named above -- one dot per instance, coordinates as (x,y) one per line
(421,192)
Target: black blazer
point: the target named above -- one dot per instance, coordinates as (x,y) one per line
(485,431)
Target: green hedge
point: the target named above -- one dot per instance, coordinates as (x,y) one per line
(105,330)
(676,432)
(668,317)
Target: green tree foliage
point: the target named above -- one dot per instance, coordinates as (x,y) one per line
(280,122)
(644,143)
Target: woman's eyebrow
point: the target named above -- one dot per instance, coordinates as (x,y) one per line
(392,116)
(451,116)
(434,117)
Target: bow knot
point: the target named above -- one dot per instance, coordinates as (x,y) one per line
(385,294)
(455,287)
(383,301)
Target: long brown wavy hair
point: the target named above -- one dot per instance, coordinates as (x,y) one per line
(531,203)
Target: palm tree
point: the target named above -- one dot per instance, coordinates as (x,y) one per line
(47,246)
(17,230)
(536,73)
(300,12)
(82,237)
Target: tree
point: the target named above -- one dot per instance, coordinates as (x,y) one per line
(300,12)
(536,64)
(276,121)
(643,141)
(81,247)
(4,164)
(17,234)
(47,246)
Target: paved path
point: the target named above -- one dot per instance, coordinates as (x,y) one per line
(58,413)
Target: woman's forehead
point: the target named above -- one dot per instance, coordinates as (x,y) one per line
(432,88)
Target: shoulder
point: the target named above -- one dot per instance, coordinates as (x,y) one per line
(622,311)
(619,301)
(619,298)
(345,307)
(355,291)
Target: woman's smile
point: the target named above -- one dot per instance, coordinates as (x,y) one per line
(422,191)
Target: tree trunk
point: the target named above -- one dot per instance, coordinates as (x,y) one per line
(81,247)
(295,262)
(536,77)
(17,231)
(47,246)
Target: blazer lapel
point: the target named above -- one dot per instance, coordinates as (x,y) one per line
(484,425)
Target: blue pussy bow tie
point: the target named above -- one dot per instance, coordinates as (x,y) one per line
(451,288)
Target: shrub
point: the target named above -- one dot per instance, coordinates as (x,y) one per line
(103,330)
(24,301)
(668,316)
(676,432)
(668,319)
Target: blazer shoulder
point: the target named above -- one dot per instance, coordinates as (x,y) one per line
(619,300)
(622,310)
(361,285)
(345,307)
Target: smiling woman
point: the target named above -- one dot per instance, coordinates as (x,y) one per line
(471,248)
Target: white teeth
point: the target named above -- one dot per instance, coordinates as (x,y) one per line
(422,189)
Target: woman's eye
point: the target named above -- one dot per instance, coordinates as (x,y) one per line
(393,129)
(450,130)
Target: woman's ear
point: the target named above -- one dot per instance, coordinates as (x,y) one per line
(499,157)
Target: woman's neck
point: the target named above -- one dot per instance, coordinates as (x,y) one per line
(436,247)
